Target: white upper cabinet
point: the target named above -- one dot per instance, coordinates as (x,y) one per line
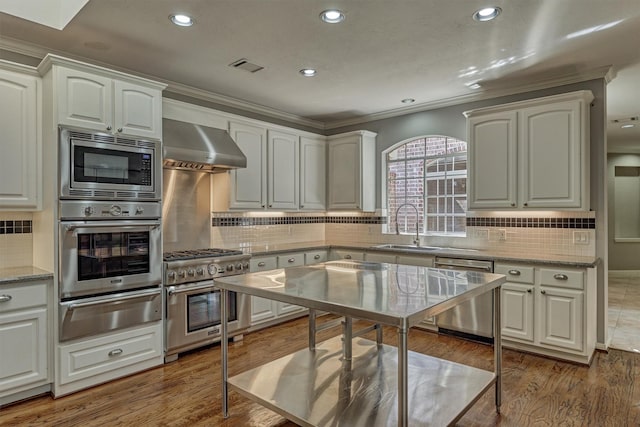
(20,144)
(249,185)
(313,173)
(99,99)
(352,170)
(283,168)
(530,155)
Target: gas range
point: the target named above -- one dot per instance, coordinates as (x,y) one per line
(203,264)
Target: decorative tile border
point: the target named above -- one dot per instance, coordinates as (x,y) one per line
(582,223)
(15,227)
(291,220)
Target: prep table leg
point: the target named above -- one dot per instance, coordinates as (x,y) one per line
(403,400)
(312,329)
(223,346)
(347,337)
(497,347)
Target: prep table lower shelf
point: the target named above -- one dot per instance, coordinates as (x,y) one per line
(318,388)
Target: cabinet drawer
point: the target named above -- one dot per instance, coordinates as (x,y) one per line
(315,257)
(338,254)
(515,273)
(562,278)
(291,260)
(263,264)
(22,296)
(97,356)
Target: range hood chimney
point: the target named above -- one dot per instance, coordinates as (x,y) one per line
(195,147)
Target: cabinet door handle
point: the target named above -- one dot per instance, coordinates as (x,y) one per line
(261,264)
(270,206)
(513,205)
(560,276)
(301,206)
(263,206)
(119,130)
(347,257)
(514,272)
(529,291)
(543,292)
(316,256)
(5,298)
(116,352)
(291,260)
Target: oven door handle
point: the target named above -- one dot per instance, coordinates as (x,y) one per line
(138,225)
(142,294)
(171,290)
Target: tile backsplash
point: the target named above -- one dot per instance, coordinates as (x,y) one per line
(16,239)
(562,233)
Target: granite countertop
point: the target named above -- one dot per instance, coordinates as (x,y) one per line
(23,274)
(479,254)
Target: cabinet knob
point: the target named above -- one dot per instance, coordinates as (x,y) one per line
(529,290)
(263,206)
(514,272)
(316,257)
(270,206)
(5,298)
(301,206)
(347,257)
(291,260)
(109,128)
(526,204)
(560,276)
(119,130)
(116,352)
(513,204)
(543,292)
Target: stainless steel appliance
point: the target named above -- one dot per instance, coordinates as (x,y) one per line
(110,266)
(100,166)
(193,315)
(472,319)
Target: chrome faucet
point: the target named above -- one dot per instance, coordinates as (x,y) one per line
(416,241)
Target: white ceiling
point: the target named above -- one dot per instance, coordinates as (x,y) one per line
(384,51)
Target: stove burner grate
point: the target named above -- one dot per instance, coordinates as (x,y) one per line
(198,253)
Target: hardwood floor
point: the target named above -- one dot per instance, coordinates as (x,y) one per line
(536,391)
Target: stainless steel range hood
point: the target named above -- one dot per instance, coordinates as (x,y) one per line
(195,147)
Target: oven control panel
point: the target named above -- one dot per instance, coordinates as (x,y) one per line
(89,210)
(186,271)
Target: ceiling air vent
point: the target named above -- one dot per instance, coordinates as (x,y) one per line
(244,64)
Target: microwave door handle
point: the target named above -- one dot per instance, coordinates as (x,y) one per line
(147,294)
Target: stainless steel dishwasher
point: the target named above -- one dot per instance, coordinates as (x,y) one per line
(474,318)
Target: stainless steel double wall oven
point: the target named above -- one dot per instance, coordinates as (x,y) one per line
(110,233)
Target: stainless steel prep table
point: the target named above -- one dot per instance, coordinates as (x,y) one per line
(363,382)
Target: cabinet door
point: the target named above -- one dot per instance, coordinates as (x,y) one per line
(23,353)
(313,167)
(344,173)
(20,147)
(551,143)
(262,310)
(137,110)
(492,149)
(517,311)
(85,100)
(249,185)
(561,318)
(283,170)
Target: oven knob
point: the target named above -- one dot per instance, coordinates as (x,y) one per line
(230,267)
(239,266)
(172,275)
(191,272)
(245,266)
(139,210)
(88,211)
(182,274)
(200,271)
(212,269)
(115,210)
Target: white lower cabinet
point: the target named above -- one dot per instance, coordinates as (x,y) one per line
(93,361)
(551,311)
(24,355)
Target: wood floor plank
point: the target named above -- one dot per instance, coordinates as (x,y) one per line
(537,391)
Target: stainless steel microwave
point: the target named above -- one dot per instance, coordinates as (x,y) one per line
(101,166)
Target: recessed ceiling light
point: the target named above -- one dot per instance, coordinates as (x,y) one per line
(308,72)
(181,20)
(627,126)
(332,16)
(408,101)
(487,14)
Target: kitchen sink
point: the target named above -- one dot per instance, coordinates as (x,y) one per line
(409,247)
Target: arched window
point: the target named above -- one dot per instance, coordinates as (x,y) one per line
(429,173)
